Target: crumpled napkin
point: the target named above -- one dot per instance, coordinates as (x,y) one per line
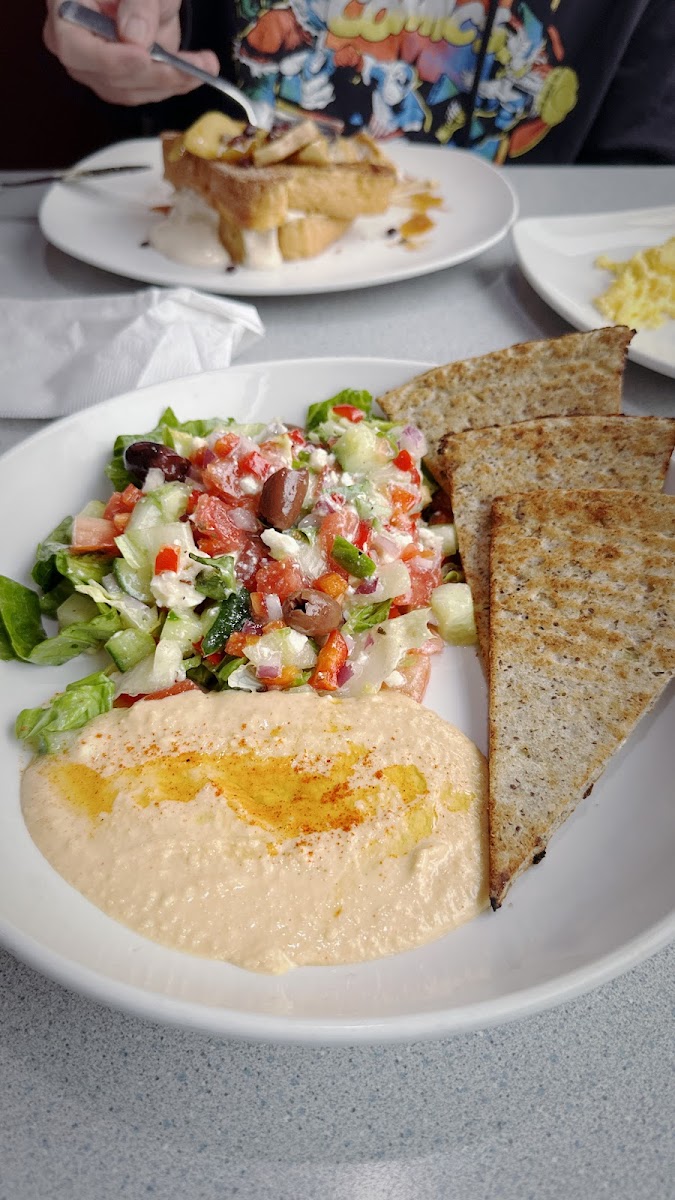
(59,356)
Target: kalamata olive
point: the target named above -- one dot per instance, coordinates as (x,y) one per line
(141,457)
(312,612)
(282,496)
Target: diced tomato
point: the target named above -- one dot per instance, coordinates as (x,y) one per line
(226,444)
(410,551)
(330,660)
(297,437)
(349,411)
(283,578)
(405,462)
(120,521)
(275,454)
(202,456)
(91,534)
(211,518)
(270,626)
(415,669)
(223,477)
(176,689)
(362,534)
(425,575)
(253,463)
(249,560)
(214,659)
(192,501)
(332,584)
(288,678)
(344,523)
(238,641)
(167,559)
(122,502)
(402,499)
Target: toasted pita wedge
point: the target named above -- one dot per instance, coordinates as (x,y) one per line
(577,373)
(554,452)
(582,644)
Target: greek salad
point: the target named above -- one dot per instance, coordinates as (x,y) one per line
(249,557)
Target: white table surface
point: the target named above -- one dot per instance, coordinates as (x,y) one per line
(573,1103)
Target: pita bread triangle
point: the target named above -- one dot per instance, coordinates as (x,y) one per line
(582,644)
(574,374)
(554,452)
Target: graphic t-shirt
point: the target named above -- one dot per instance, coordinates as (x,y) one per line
(530,80)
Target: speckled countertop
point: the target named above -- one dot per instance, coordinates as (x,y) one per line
(571,1104)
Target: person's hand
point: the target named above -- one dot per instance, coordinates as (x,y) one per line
(124,73)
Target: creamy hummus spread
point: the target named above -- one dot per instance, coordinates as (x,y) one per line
(269,830)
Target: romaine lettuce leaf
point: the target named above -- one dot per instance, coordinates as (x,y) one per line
(45,570)
(318,413)
(20,623)
(43,728)
(75,639)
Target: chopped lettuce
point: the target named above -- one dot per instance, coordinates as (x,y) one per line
(82,568)
(218,580)
(43,728)
(318,413)
(20,623)
(367,615)
(45,570)
(76,639)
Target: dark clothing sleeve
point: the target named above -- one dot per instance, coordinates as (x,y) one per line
(636,121)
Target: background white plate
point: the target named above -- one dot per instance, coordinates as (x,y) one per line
(556,254)
(603,898)
(104,221)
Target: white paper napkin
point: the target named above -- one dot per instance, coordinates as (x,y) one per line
(59,356)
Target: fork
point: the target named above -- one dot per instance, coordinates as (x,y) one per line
(105,27)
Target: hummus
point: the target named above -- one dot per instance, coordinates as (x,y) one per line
(269,830)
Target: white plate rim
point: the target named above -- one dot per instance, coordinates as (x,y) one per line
(243,283)
(261,1027)
(566,306)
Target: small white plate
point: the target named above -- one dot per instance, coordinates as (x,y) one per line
(602,899)
(557,256)
(105,221)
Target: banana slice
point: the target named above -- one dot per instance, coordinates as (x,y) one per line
(210,134)
(277,149)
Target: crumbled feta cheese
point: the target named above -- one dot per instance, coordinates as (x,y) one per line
(347,479)
(171,592)
(318,459)
(280,544)
(154,479)
(395,680)
(250,485)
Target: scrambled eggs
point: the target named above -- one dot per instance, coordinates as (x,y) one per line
(643,292)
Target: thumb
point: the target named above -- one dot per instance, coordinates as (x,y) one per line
(138,21)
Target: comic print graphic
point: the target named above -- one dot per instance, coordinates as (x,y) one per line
(406,67)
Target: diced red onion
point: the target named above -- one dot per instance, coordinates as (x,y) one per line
(385,546)
(243,518)
(251,627)
(207,456)
(273,606)
(370,641)
(367,586)
(328,504)
(344,674)
(269,671)
(413,440)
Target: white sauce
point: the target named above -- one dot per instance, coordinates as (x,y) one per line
(189,234)
(261,249)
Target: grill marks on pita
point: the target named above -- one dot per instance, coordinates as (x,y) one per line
(575,374)
(582,644)
(556,452)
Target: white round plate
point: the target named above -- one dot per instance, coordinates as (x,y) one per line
(557,256)
(602,899)
(105,222)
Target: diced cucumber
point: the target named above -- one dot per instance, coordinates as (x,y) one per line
(76,609)
(183,628)
(361,449)
(134,583)
(171,499)
(146,514)
(174,533)
(128,647)
(446,536)
(95,508)
(155,672)
(452,606)
(132,552)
